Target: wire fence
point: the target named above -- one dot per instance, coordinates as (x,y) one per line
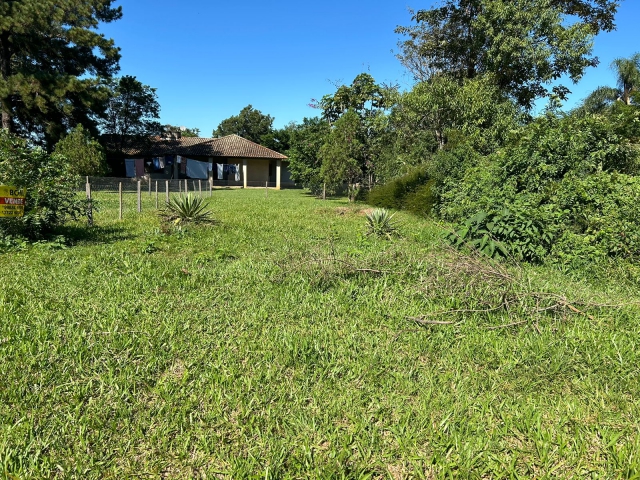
(139,194)
(112,184)
(134,195)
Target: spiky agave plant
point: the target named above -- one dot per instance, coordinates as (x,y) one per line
(379,223)
(188,208)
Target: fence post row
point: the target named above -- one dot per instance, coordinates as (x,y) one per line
(197,189)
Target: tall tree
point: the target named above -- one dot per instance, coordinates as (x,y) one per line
(476,108)
(369,102)
(306,140)
(132,113)
(278,139)
(628,76)
(52,60)
(627,72)
(525,44)
(364,96)
(250,123)
(342,154)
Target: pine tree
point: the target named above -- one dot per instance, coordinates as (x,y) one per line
(53,64)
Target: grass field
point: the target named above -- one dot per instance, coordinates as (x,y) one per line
(277,343)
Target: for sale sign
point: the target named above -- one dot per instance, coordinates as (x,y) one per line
(12,201)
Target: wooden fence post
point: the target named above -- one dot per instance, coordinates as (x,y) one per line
(149,186)
(139,197)
(167,189)
(211,187)
(156,194)
(200,187)
(266,189)
(324,191)
(89,206)
(186,186)
(120,195)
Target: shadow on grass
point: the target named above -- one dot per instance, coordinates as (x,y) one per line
(96,234)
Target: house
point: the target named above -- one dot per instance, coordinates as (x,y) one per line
(225,161)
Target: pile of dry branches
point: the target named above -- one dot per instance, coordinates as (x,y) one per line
(476,286)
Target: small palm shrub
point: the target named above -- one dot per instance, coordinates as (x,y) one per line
(380,224)
(188,208)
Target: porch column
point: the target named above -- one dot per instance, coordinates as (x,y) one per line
(244,172)
(278,169)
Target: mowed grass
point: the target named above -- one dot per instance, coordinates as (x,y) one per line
(263,346)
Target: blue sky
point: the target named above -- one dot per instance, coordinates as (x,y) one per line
(209,59)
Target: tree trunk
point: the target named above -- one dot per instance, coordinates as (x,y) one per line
(626,94)
(440,139)
(5,73)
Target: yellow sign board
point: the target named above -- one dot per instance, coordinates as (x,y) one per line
(12,201)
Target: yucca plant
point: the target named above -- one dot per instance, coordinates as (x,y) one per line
(380,224)
(188,208)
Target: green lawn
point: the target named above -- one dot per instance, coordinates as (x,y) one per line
(264,346)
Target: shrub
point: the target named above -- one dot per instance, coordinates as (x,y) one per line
(421,201)
(188,208)
(552,147)
(84,155)
(380,224)
(505,233)
(601,217)
(51,196)
(413,192)
(578,220)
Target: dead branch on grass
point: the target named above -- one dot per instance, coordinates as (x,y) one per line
(480,287)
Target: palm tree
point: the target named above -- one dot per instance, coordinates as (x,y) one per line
(628,73)
(600,100)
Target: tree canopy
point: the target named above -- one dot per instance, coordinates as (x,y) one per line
(53,63)
(132,112)
(364,96)
(524,44)
(184,131)
(250,123)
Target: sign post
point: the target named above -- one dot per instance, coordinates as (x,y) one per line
(12,200)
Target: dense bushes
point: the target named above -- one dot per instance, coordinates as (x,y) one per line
(560,180)
(85,156)
(51,195)
(412,192)
(600,217)
(505,233)
(563,189)
(584,219)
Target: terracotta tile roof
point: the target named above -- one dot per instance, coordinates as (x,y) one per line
(236,146)
(229,146)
